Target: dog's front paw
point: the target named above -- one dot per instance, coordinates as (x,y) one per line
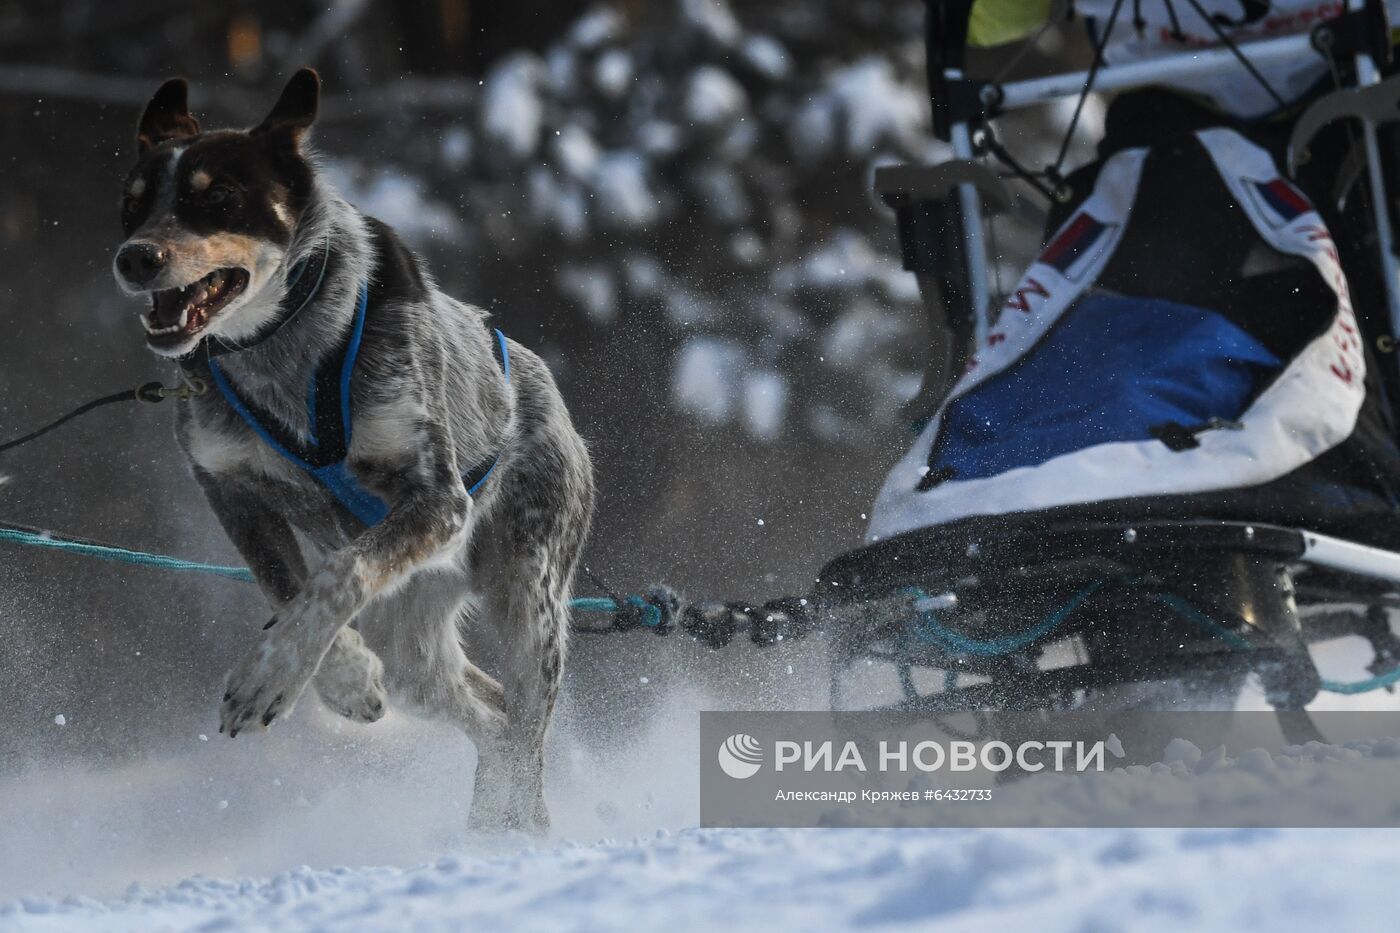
(350,679)
(265,685)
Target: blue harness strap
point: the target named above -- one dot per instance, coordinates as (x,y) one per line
(328,410)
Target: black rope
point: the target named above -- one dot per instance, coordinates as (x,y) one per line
(1094,66)
(1229,43)
(52,535)
(1002,155)
(601,584)
(150,392)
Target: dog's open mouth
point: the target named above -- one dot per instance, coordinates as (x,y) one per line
(179,313)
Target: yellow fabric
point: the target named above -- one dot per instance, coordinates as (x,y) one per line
(995,22)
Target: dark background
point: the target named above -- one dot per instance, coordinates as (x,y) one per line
(669,199)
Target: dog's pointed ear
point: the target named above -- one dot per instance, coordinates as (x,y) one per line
(295,110)
(167,116)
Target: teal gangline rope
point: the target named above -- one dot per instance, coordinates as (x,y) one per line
(651,615)
(1379,682)
(119,554)
(931,631)
(1350,688)
(1190,613)
(1347,688)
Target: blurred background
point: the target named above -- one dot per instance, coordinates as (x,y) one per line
(669,199)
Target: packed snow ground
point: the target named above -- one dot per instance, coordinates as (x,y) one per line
(808,880)
(294,830)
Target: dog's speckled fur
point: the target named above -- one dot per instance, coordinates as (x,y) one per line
(365,613)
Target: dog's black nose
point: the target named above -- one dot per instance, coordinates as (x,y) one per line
(138,263)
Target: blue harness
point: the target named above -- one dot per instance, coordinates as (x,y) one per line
(328,412)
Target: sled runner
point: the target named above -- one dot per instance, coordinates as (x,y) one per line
(1164,459)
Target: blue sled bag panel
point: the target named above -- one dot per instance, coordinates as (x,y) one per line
(1111,369)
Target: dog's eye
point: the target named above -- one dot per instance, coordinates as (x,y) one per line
(220,194)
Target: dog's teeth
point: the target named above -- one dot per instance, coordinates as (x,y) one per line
(184,318)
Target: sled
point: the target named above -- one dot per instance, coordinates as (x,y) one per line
(1142,599)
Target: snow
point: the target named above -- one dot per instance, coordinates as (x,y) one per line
(600,25)
(813,129)
(613,72)
(746,248)
(322,825)
(456,148)
(848,263)
(765,403)
(866,106)
(845,342)
(592,286)
(721,194)
(644,274)
(621,191)
(768,56)
(826,879)
(659,138)
(557,204)
(511,108)
(575,151)
(707,374)
(713,97)
(713,19)
(396,199)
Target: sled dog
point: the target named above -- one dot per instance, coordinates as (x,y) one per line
(401,478)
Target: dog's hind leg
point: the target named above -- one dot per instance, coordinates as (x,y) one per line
(350,680)
(528,603)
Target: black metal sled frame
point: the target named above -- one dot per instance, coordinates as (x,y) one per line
(1184,601)
(904,559)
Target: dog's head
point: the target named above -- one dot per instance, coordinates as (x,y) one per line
(209,217)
